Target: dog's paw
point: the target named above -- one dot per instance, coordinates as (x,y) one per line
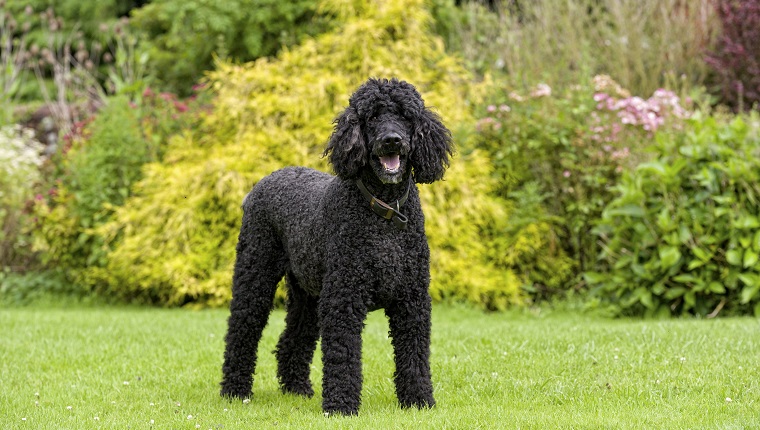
(341,412)
(418,403)
(335,408)
(304,390)
(235,393)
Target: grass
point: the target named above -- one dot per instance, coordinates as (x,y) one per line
(61,368)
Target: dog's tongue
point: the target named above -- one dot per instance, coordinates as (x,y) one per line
(390,162)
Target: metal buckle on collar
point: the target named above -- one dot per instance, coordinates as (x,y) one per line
(384,209)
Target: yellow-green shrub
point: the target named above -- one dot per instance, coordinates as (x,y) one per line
(173,242)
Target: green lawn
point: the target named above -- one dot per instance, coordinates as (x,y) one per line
(128,367)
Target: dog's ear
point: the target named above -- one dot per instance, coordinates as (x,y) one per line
(431,148)
(346,150)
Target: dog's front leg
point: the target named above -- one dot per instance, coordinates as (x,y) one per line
(409,321)
(342,313)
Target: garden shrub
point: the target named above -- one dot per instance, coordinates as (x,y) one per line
(20,159)
(736,57)
(557,157)
(682,235)
(181,36)
(93,174)
(40,287)
(173,242)
(99,163)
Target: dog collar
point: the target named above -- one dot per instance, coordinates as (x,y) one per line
(384,209)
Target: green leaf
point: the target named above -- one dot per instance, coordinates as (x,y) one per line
(750,258)
(748,293)
(701,253)
(658,288)
(665,221)
(716,287)
(684,235)
(734,257)
(686,279)
(750,279)
(675,292)
(747,222)
(645,297)
(690,299)
(669,256)
(693,264)
(627,210)
(745,242)
(655,167)
(594,277)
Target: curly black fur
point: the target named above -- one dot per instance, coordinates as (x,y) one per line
(340,259)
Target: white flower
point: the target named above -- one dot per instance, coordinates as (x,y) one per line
(246,401)
(69,407)
(728,400)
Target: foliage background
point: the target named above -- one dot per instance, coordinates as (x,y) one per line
(180,228)
(168,112)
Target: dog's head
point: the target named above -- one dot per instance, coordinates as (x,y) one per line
(387,128)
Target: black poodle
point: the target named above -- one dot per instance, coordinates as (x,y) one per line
(347,245)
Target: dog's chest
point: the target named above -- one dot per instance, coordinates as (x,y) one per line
(393,269)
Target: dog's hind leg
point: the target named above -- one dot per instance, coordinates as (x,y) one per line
(295,349)
(259,266)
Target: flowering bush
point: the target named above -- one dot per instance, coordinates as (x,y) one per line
(568,151)
(681,234)
(20,158)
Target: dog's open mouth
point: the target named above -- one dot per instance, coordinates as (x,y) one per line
(391,162)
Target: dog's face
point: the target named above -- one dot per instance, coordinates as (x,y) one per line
(386,128)
(387,135)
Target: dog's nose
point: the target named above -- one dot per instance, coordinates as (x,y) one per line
(391,138)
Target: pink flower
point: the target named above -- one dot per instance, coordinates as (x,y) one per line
(566,173)
(541,90)
(516,97)
(491,108)
(505,108)
(180,106)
